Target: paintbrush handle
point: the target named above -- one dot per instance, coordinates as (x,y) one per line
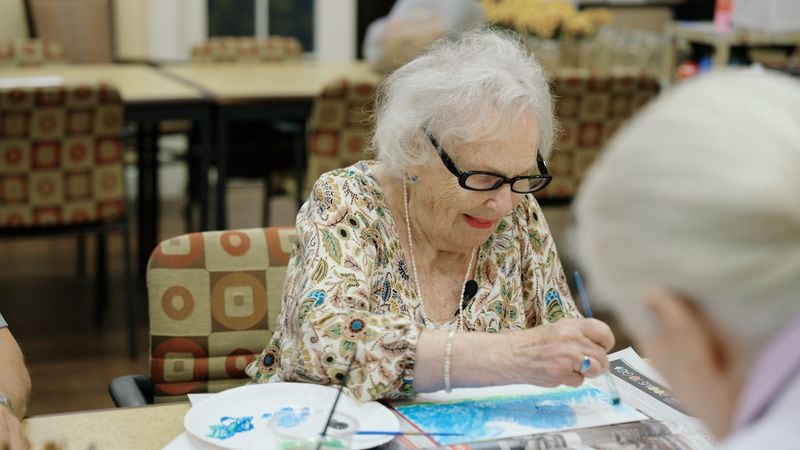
(405,433)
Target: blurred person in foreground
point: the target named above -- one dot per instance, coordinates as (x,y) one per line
(15,387)
(689,226)
(433,267)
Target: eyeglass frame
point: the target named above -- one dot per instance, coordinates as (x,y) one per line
(462,175)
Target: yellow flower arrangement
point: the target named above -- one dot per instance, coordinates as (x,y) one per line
(545,18)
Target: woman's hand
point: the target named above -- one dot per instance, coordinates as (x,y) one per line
(553,354)
(546,355)
(11,435)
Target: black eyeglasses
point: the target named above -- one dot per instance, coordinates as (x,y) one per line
(478,180)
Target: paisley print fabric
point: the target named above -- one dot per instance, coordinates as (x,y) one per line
(349,292)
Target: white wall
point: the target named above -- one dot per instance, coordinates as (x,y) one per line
(12,20)
(175,26)
(131,30)
(335,30)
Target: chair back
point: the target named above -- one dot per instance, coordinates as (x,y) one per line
(214,301)
(85,28)
(32,52)
(339,127)
(590,108)
(231,49)
(60,156)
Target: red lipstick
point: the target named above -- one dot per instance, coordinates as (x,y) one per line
(480,224)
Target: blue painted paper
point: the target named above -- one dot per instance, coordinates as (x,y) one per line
(499,416)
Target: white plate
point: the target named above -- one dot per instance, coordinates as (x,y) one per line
(255,400)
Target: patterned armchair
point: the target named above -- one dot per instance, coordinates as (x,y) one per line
(214,300)
(35,52)
(339,126)
(247,50)
(590,109)
(61,170)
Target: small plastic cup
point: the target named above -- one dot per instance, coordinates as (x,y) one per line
(300,430)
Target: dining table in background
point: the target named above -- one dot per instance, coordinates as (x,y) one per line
(150,96)
(247,92)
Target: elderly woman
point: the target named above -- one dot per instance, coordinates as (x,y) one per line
(690,225)
(433,267)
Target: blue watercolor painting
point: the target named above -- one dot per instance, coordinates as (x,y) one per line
(492,417)
(228,427)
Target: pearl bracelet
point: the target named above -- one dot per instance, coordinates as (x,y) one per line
(448,358)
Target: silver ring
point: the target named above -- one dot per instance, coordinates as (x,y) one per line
(586,363)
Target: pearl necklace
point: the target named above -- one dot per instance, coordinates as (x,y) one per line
(425,320)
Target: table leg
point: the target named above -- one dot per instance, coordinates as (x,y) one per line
(205,137)
(222,169)
(299,144)
(148,192)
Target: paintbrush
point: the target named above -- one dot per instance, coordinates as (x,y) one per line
(342,384)
(612,388)
(405,433)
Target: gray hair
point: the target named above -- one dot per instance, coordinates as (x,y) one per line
(701,195)
(448,91)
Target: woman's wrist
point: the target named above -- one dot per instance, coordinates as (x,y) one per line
(478,359)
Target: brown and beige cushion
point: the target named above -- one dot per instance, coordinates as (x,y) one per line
(214,301)
(60,155)
(34,52)
(590,108)
(247,50)
(339,127)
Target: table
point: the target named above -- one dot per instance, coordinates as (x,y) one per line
(149,96)
(706,33)
(262,92)
(142,428)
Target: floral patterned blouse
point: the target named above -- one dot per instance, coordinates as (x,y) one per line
(349,290)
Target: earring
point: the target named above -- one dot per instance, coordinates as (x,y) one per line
(413,178)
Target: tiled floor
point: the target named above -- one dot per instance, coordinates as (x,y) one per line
(50,307)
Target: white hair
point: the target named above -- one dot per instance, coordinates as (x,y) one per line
(471,86)
(700,195)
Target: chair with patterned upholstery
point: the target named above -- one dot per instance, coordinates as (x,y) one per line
(32,52)
(247,49)
(339,127)
(61,172)
(214,301)
(590,108)
(84,28)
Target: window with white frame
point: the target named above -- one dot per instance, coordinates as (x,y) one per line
(263,18)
